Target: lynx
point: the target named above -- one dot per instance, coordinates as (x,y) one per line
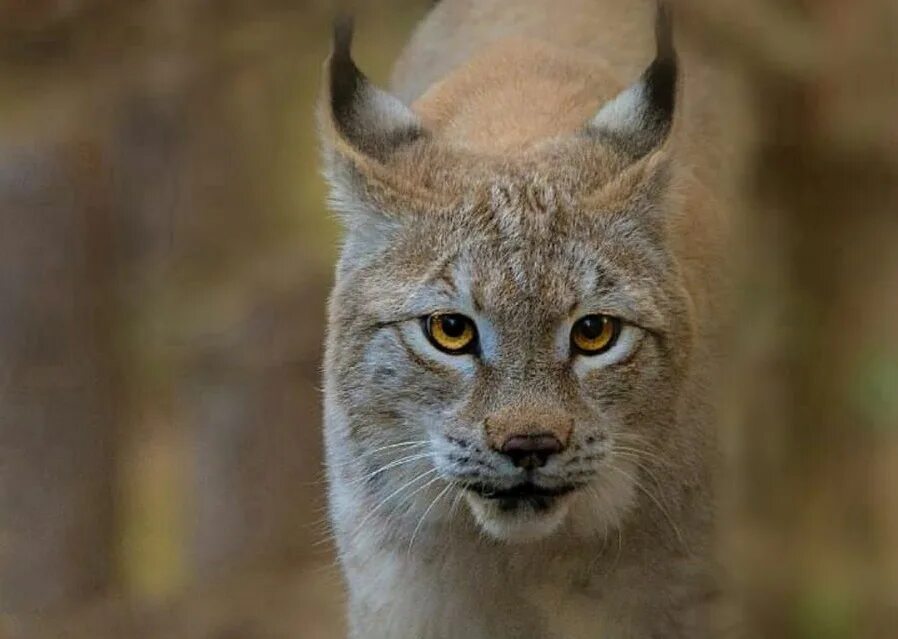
(521,337)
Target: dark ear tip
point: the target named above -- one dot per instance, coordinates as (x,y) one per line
(664,30)
(344,28)
(344,75)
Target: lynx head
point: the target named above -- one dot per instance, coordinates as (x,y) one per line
(507,329)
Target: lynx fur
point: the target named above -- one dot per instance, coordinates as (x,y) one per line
(535,163)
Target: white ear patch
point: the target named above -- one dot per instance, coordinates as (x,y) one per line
(639,119)
(625,114)
(368,118)
(380,111)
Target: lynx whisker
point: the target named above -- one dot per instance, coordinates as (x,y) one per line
(424,516)
(352,463)
(645,445)
(413,443)
(411,495)
(459,494)
(657,503)
(602,502)
(407,442)
(641,454)
(393,464)
(620,548)
(640,463)
(409,483)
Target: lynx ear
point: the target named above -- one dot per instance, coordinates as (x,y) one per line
(367,122)
(639,119)
(362,129)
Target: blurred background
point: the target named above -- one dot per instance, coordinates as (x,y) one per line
(165,257)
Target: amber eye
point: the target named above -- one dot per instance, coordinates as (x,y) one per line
(595,334)
(451,332)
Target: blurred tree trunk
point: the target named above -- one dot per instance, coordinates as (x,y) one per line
(812,538)
(59,387)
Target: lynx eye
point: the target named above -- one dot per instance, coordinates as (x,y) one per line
(595,334)
(451,332)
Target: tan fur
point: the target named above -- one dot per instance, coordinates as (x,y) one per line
(488,196)
(510,421)
(541,58)
(516,94)
(612,33)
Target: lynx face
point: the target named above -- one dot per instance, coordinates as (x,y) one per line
(504,334)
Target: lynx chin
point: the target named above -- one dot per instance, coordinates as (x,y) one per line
(521,339)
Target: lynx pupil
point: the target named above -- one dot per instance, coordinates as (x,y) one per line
(454,325)
(592,327)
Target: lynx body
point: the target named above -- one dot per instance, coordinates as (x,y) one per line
(521,340)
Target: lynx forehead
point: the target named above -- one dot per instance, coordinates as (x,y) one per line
(516,337)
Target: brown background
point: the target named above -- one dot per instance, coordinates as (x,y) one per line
(164,262)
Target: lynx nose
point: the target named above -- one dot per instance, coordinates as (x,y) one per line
(531,451)
(529,435)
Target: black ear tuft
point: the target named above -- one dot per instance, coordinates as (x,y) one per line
(664,31)
(639,119)
(344,76)
(344,29)
(367,118)
(661,77)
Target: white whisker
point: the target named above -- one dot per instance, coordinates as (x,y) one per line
(644,445)
(424,516)
(641,464)
(455,502)
(640,453)
(620,548)
(394,493)
(369,453)
(393,464)
(602,502)
(657,503)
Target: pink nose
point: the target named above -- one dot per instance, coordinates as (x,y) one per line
(532,450)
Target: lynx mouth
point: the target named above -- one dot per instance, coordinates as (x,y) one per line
(522,513)
(538,498)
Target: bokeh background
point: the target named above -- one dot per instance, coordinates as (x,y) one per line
(165,257)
